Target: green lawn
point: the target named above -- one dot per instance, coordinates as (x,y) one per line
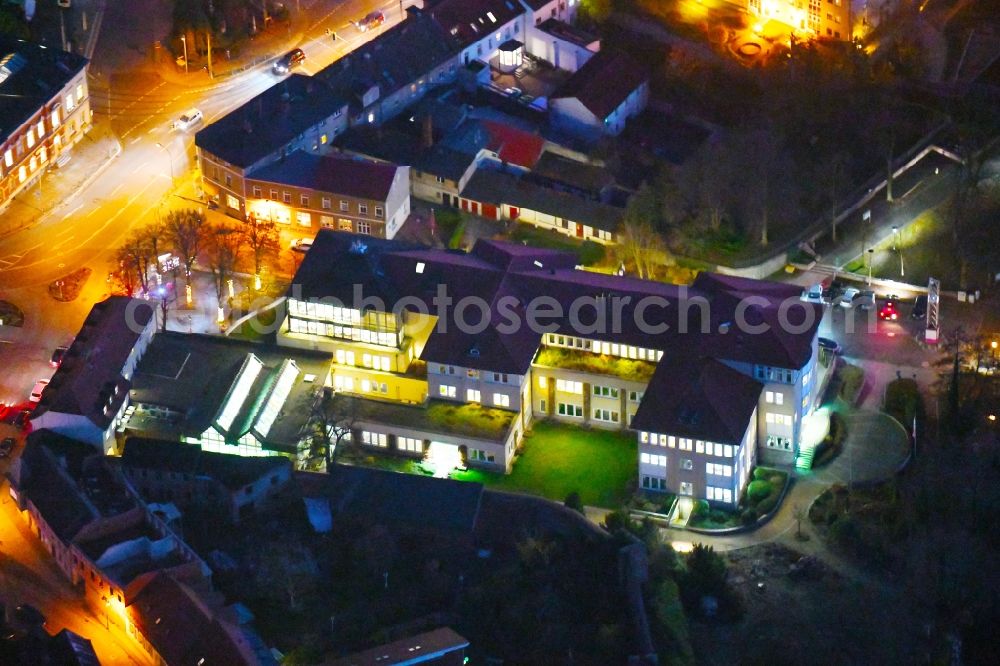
(558,459)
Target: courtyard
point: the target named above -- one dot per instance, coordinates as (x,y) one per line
(560,459)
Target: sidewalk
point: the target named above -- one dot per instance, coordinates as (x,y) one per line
(57,187)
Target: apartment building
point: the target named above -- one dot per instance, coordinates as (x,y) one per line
(44,113)
(415,380)
(827,19)
(304,193)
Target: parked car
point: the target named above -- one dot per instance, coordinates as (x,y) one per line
(302,244)
(846,299)
(65,4)
(289,61)
(371,21)
(23,419)
(36,393)
(513,92)
(864,300)
(57,357)
(6,447)
(813,294)
(889,311)
(189,119)
(832,292)
(830,345)
(919,310)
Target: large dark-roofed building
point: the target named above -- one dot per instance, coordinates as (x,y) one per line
(601,96)
(678,364)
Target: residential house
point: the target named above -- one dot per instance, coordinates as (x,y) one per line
(477,28)
(600,97)
(306,192)
(45,111)
(228,485)
(500,195)
(88,394)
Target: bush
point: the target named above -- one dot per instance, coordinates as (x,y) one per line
(844,531)
(852,378)
(617,520)
(758,490)
(717,516)
(574,502)
(762,473)
(767,504)
(591,253)
(700,510)
(831,445)
(748,516)
(902,399)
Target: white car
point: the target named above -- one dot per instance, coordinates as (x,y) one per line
(188,119)
(847,298)
(36,393)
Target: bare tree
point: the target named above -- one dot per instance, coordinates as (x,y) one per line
(640,246)
(185,231)
(223,246)
(331,420)
(134,257)
(837,178)
(261,237)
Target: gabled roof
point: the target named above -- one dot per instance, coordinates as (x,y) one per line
(399,57)
(180,626)
(359,178)
(468,21)
(270,121)
(89,382)
(232,471)
(30,76)
(497,187)
(404,500)
(71,649)
(47,473)
(604,82)
(513,145)
(696,396)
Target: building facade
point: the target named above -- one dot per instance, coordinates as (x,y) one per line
(45,112)
(827,19)
(601,97)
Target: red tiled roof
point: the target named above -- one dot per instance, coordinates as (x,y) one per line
(513,145)
(604,82)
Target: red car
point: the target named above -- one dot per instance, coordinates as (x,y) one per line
(889,311)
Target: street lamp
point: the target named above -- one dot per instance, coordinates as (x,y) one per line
(184,41)
(170,156)
(895,236)
(871,258)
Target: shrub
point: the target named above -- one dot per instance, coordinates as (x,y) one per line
(617,520)
(749,516)
(717,516)
(767,504)
(831,445)
(700,510)
(762,473)
(844,531)
(590,253)
(574,502)
(758,490)
(852,378)
(902,399)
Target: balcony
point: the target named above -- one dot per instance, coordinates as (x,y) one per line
(582,361)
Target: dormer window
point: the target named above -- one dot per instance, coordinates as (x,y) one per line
(420,267)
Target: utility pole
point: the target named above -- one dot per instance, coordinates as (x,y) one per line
(208,37)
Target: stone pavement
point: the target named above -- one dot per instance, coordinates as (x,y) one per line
(57,188)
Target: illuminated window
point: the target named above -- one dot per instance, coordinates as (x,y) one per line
(420,267)
(22,174)
(8,157)
(303,218)
(501,400)
(70,102)
(447,391)
(31,137)
(232,202)
(374,438)
(41,128)
(410,444)
(472,395)
(79,92)
(54,118)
